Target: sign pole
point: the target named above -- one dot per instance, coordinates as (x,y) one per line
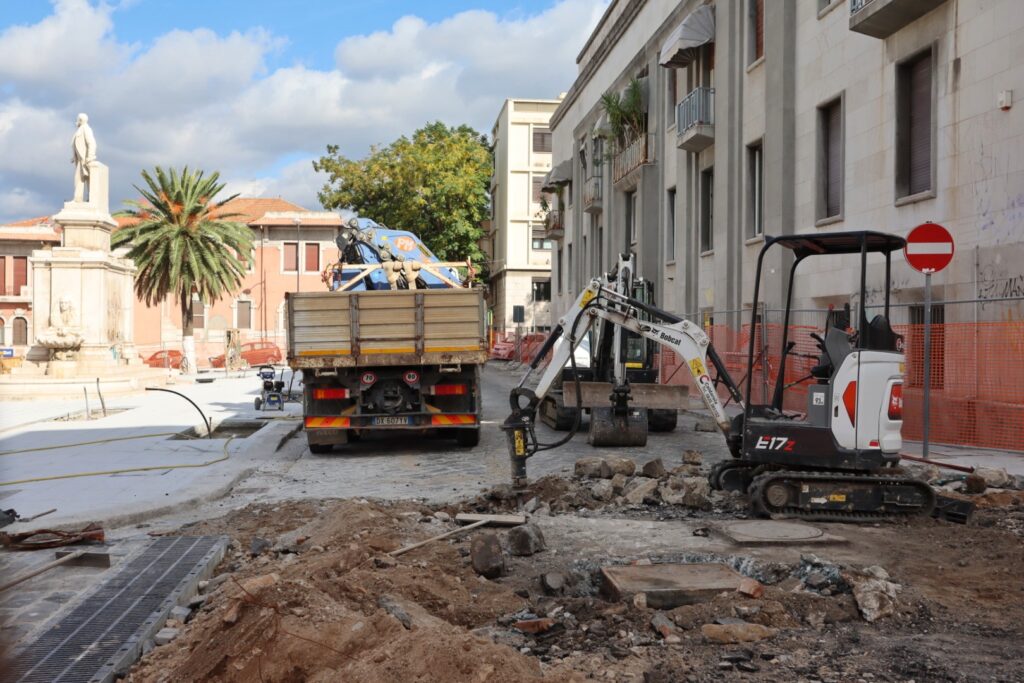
(927,362)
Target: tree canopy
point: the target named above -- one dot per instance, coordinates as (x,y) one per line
(434,183)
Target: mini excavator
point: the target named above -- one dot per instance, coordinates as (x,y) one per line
(835,462)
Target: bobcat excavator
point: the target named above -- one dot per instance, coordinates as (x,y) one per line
(834,462)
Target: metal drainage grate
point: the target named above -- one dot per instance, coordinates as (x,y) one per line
(103,636)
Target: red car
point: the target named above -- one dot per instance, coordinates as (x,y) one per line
(165,359)
(254,353)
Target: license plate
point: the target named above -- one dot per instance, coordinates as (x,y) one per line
(391,420)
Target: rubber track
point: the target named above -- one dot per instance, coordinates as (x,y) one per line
(758,503)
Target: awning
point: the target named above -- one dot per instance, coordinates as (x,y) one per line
(697,29)
(560,174)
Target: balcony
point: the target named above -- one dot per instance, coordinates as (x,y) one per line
(554,225)
(592,195)
(882,18)
(695,120)
(631,157)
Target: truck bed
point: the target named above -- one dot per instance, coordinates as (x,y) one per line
(379,328)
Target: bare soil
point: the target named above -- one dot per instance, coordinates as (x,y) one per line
(325,603)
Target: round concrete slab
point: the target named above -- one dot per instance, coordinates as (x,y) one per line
(770,531)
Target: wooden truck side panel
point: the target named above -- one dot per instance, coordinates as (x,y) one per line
(396,327)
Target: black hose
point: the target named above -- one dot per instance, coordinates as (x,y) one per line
(209,429)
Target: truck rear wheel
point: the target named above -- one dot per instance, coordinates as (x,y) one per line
(467,437)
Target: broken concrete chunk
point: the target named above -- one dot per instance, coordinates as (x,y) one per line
(640,489)
(662,625)
(487,558)
(232,613)
(501,636)
(665,586)
(531,505)
(180,613)
(692,458)
(694,492)
(975,483)
(593,468)
(602,490)
(685,471)
(258,545)
(874,593)
(621,466)
(994,478)
(255,584)
(654,469)
(729,634)
(705,426)
(165,635)
(525,540)
(442,516)
(619,482)
(553,583)
(388,604)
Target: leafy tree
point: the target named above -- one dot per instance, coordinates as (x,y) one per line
(435,184)
(183,243)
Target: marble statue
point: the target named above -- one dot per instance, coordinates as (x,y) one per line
(63,338)
(83,153)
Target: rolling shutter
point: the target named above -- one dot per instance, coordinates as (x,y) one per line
(920,137)
(3,275)
(834,159)
(244,315)
(312,257)
(20,274)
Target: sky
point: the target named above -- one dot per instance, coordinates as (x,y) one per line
(256,89)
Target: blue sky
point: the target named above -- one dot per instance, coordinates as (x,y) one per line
(258,88)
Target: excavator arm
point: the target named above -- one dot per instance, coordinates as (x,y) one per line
(597,302)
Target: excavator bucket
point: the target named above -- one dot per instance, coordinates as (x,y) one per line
(610,429)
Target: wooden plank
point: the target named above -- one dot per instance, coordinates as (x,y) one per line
(496,520)
(595,395)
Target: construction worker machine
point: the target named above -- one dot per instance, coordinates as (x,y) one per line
(615,373)
(837,461)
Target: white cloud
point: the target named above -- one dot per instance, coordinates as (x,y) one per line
(210,101)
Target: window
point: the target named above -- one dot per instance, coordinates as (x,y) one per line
(915,352)
(631,216)
(755,183)
(670,94)
(538,184)
(670,226)
(599,249)
(20,336)
(756,39)
(914,125)
(291,256)
(542,140)
(3,327)
(830,160)
(312,257)
(568,270)
(198,313)
(3,275)
(20,274)
(243,314)
(539,242)
(707,210)
(598,143)
(558,268)
(542,290)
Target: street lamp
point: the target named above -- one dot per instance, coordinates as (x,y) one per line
(298,246)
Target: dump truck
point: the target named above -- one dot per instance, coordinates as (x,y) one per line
(396,343)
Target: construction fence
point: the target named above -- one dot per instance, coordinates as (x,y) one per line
(977,364)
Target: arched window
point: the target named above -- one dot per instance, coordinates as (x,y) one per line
(3,332)
(20,336)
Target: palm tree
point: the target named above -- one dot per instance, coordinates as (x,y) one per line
(183,244)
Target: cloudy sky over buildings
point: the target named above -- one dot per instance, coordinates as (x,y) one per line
(256,89)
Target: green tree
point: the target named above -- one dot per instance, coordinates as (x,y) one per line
(183,243)
(435,184)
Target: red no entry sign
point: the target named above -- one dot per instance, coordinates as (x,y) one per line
(929,248)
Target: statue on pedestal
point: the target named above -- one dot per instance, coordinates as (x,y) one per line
(83,153)
(63,338)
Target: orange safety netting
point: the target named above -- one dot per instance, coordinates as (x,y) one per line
(977,376)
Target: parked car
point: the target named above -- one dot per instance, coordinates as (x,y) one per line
(165,359)
(254,353)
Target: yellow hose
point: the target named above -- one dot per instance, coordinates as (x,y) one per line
(122,471)
(88,443)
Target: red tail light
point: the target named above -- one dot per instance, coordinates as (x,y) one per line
(850,401)
(447,390)
(330,393)
(896,402)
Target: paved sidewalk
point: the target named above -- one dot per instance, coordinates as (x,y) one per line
(35,458)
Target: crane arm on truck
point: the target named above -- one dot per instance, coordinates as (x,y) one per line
(598,302)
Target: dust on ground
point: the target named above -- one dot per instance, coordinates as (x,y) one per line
(308,592)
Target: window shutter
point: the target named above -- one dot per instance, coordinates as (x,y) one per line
(291,256)
(3,275)
(541,140)
(920,138)
(834,159)
(244,315)
(198,314)
(20,332)
(759,30)
(312,257)
(20,274)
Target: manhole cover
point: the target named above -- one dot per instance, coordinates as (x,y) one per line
(763,531)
